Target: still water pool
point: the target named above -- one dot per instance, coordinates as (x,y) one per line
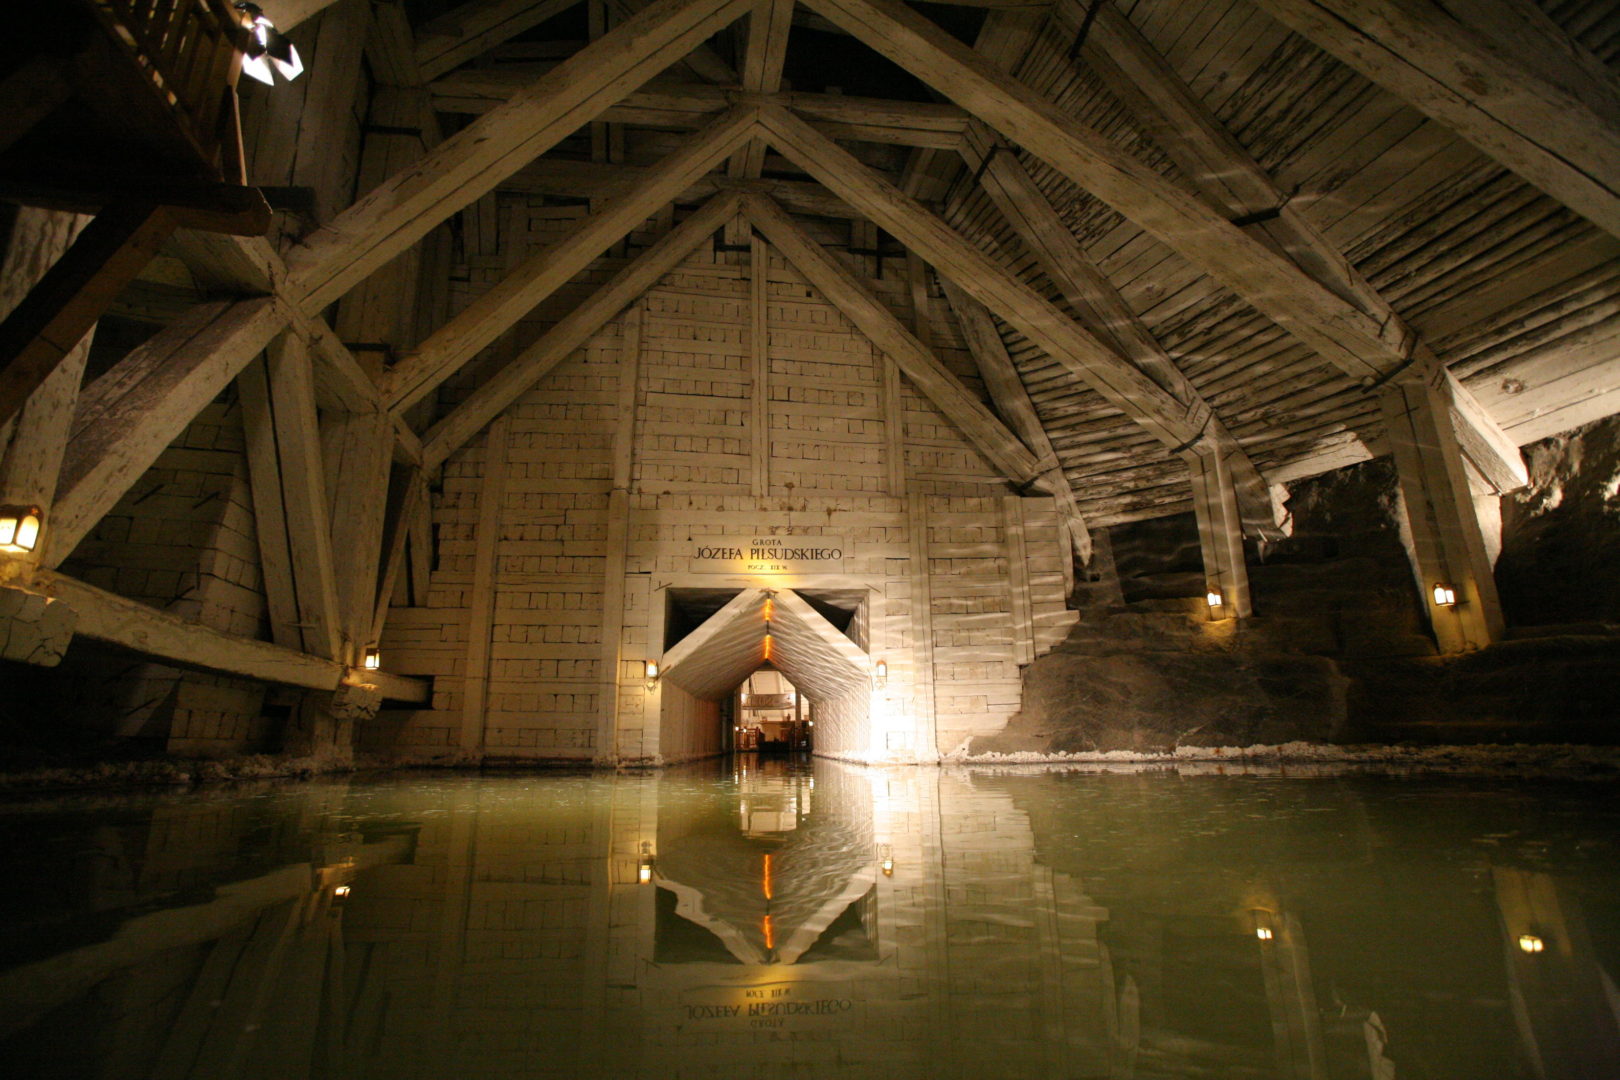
(778,919)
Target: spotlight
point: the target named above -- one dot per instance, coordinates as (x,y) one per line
(266,46)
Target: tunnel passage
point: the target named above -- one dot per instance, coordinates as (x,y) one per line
(793,633)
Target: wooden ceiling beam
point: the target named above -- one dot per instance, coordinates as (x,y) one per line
(532,281)
(401,210)
(462,33)
(1499,73)
(1104,312)
(131,414)
(1227,174)
(1268,280)
(1005,452)
(981,277)
(1012,401)
(683,105)
(502,389)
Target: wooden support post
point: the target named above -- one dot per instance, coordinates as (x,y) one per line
(892,396)
(43,330)
(768,26)
(304,496)
(269,515)
(357,449)
(1220,531)
(1447,545)
(926,729)
(759,352)
(407,500)
(1022,611)
(481,619)
(618,540)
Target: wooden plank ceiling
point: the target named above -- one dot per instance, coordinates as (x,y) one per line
(1406,220)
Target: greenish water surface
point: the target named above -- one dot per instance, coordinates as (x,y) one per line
(769,918)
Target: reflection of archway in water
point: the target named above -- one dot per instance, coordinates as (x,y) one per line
(769,867)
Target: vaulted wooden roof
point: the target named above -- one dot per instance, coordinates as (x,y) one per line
(1189,221)
(1174,233)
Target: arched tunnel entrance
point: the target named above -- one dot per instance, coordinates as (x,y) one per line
(722,637)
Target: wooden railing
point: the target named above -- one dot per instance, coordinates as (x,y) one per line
(190,50)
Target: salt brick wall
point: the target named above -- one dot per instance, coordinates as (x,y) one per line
(183,540)
(691,477)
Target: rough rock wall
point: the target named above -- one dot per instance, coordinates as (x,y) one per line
(1561,536)
(1339,650)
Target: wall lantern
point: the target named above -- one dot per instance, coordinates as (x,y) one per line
(880,673)
(650,669)
(1213,599)
(1263,933)
(266,46)
(644,867)
(372,661)
(886,857)
(1529,943)
(340,892)
(19,528)
(1444,595)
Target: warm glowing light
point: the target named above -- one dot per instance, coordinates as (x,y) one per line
(19,528)
(340,892)
(1263,933)
(770,608)
(373,660)
(652,670)
(745,697)
(644,873)
(770,932)
(1213,598)
(267,46)
(888,868)
(1529,943)
(767,646)
(765,882)
(1444,595)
